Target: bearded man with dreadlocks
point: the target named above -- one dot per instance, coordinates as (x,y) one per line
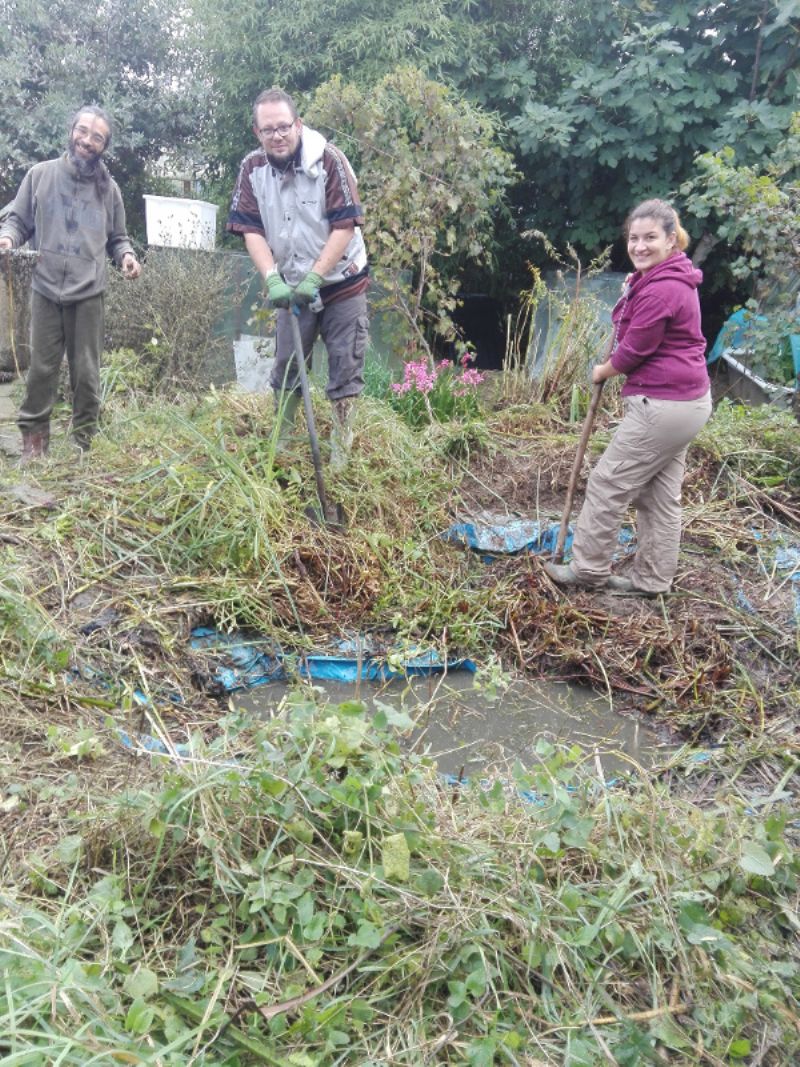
(71,211)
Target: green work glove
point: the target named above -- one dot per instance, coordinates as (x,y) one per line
(308,289)
(280,294)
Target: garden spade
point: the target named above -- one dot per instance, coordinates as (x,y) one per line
(586,432)
(330,514)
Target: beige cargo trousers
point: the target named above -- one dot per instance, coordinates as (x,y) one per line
(644,467)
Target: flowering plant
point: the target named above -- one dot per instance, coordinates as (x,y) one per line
(438,392)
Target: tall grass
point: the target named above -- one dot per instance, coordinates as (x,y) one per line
(557,334)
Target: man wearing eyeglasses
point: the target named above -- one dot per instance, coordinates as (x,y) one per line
(296,206)
(71,211)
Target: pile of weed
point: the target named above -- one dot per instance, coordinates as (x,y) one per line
(757,444)
(185,515)
(300,892)
(189,507)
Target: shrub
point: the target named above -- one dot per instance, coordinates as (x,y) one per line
(171,316)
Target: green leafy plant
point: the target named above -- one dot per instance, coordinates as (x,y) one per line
(336,895)
(755,211)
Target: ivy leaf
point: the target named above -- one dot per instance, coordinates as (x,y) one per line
(429,882)
(122,937)
(396,717)
(368,935)
(140,1017)
(142,984)
(756,860)
(396,858)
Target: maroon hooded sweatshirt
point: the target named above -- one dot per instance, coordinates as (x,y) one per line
(660,347)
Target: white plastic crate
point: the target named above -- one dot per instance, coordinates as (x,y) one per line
(175,222)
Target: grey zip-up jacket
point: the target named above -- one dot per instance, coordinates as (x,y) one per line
(59,212)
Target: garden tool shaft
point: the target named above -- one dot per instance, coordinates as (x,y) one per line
(299,356)
(588,422)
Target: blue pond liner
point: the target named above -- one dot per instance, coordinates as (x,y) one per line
(255,660)
(494,536)
(506,538)
(739,332)
(785,556)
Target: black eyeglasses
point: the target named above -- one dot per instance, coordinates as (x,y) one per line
(96,139)
(274,131)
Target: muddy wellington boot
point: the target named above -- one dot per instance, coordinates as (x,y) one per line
(342,432)
(286,405)
(35,444)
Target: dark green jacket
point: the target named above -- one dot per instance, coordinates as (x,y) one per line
(71,227)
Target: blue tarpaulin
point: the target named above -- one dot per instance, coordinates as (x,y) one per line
(506,536)
(502,535)
(255,660)
(738,331)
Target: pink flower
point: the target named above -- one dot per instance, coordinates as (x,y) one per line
(472,377)
(416,375)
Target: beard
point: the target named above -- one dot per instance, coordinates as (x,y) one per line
(282,162)
(90,167)
(85,166)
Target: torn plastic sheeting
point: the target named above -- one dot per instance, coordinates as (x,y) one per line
(505,537)
(153,744)
(530,796)
(785,557)
(256,661)
(743,600)
(498,535)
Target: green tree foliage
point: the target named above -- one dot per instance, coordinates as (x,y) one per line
(57,55)
(246,48)
(660,83)
(754,212)
(602,104)
(432,177)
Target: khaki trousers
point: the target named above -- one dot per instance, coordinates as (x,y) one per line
(74,329)
(643,466)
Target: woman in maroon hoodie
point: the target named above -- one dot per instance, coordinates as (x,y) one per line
(658,345)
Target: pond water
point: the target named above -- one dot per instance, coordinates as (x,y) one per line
(469,729)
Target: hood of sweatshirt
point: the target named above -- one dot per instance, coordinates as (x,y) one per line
(312,149)
(677,267)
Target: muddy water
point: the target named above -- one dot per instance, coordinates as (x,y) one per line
(470,729)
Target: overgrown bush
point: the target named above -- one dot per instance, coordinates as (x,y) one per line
(171,316)
(432,177)
(755,210)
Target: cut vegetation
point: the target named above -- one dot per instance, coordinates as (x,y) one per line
(303,891)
